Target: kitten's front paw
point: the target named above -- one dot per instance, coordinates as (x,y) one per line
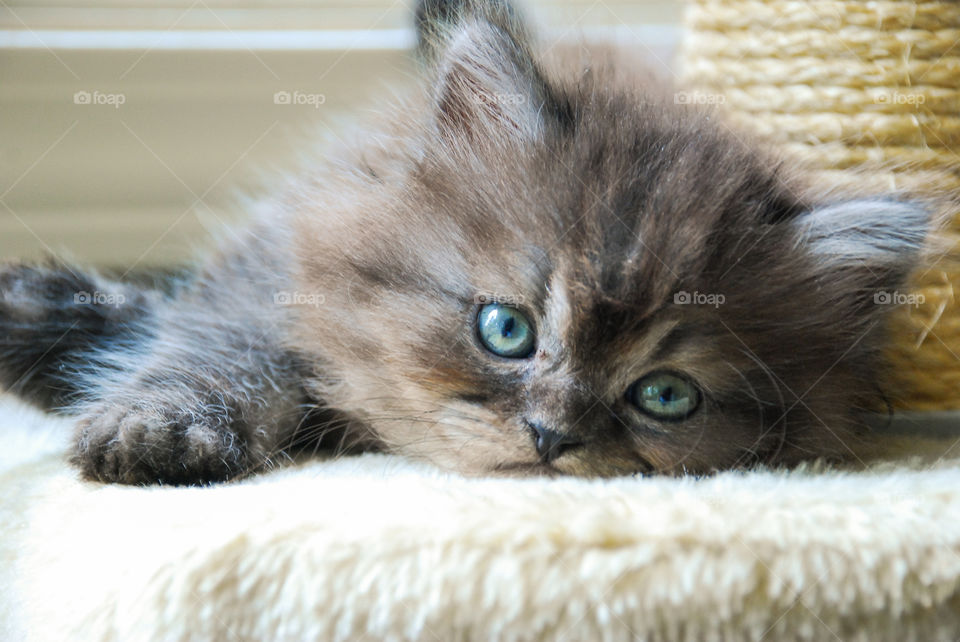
(145,445)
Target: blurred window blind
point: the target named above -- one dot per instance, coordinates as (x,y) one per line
(128,127)
(296,14)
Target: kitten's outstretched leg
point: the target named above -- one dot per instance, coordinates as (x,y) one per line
(209,400)
(213,396)
(181,390)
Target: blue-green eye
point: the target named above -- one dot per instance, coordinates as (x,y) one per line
(505,331)
(665,396)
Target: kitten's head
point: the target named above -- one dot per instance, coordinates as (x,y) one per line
(547,267)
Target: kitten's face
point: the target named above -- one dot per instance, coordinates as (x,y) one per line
(558,274)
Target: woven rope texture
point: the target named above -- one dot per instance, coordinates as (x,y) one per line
(866,95)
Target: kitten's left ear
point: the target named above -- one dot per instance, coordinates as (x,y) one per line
(879,239)
(488,85)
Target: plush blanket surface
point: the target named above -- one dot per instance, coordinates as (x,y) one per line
(377,548)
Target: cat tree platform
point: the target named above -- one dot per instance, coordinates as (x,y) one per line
(376,548)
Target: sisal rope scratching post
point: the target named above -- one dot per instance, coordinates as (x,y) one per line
(867,96)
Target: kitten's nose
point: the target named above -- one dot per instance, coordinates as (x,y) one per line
(550,443)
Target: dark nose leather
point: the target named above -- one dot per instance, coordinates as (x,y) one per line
(550,443)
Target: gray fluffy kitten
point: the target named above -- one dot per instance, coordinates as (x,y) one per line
(539,265)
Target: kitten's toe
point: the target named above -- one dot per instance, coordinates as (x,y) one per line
(140,446)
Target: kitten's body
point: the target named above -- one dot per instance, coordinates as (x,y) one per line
(555,180)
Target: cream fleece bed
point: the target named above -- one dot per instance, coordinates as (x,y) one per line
(376,548)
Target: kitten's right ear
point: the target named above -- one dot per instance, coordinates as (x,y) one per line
(436,20)
(487,84)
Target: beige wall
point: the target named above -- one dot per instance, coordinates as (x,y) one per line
(141,183)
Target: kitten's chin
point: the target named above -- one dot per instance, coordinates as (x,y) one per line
(525,469)
(565,468)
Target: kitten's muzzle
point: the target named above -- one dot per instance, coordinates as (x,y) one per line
(550,443)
